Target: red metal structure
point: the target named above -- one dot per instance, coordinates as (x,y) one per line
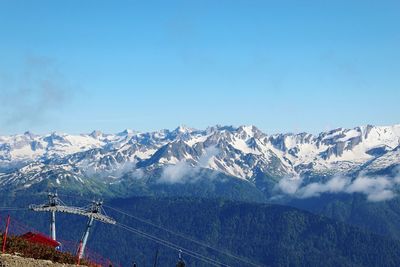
(5,234)
(40,239)
(16,228)
(79,251)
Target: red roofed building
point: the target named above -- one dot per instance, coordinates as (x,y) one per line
(40,239)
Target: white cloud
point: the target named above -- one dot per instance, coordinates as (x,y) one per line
(334,185)
(182,171)
(176,173)
(209,153)
(289,185)
(376,188)
(381,195)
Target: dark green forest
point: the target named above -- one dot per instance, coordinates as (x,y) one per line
(258,234)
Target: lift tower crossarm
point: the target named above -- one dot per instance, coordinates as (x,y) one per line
(52,207)
(73,210)
(94,213)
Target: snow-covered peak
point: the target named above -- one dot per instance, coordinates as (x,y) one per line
(249,131)
(241,151)
(96,134)
(32,147)
(183,129)
(127,132)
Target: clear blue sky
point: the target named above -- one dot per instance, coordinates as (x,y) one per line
(284,66)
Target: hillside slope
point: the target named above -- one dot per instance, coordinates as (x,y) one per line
(266,235)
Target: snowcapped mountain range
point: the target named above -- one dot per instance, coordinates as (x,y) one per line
(244,152)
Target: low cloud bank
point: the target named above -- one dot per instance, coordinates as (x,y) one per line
(183,170)
(178,173)
(376,188)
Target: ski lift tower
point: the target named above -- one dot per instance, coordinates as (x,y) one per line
(52,206)
(94,213)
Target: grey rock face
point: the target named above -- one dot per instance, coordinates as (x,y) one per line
(243,152)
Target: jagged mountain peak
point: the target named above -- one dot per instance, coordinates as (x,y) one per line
(30,134)
(182,129)
(96,134)
(250,130)
(127,132)
(243,151)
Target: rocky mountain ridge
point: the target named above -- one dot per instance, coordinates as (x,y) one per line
(243,152)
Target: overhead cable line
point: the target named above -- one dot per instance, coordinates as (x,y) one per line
(172,246)
(226,253)
(11,208)
(183,236)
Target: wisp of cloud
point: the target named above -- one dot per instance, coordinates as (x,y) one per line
(376,188)
(182,171)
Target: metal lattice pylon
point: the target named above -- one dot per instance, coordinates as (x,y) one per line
(93,212)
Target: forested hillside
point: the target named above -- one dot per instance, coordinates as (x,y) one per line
(261,234)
